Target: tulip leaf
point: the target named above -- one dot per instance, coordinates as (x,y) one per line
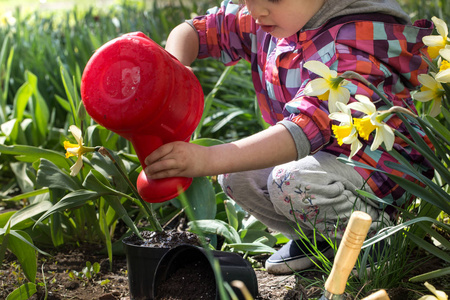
(201,199)
(49,175)
(25,254)
(28,212)
(216,227)
(23,292)
(71,200)
(31,154)
(252,248)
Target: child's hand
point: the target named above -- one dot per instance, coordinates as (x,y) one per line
(177,159)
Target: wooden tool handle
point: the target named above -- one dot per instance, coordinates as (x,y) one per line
(348,252)
(380,295)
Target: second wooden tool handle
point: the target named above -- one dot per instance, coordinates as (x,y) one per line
(348,252)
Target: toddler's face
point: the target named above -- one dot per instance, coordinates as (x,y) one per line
(283,18)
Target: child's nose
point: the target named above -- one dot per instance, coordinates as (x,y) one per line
(257,10)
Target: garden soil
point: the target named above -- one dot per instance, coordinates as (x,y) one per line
(61,275)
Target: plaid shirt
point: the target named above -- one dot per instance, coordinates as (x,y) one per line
(376,46)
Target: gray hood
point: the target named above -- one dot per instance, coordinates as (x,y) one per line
(336,8)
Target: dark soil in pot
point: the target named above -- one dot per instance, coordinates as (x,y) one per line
(191,282)
(163,239)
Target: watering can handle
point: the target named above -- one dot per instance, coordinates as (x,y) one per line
(347,254)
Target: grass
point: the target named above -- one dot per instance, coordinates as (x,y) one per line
(58,5)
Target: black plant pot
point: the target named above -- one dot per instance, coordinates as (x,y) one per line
(141,265)
(232,266)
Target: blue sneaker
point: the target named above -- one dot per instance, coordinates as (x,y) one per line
(295,256)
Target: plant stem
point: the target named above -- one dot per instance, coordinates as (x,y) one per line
(150,213)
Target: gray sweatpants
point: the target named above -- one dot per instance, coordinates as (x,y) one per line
(316,192)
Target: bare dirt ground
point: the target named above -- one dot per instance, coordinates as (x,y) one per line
(61,283)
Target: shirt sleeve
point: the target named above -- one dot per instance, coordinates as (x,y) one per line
(225,33)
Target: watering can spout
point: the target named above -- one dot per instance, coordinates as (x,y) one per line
(135,88)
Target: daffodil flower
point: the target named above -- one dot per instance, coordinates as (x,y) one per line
(373,121)
(431,90)
(444,68)
(330,87)
(438,295)
(76,150)
(345,132)
(436,42)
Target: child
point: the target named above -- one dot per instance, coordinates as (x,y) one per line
(289,173)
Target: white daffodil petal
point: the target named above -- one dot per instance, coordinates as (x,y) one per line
(73,151)
(341,117)
(445,53)
(433,41)
(443,76)
(316,87)
(343,108)
(360,107)
(332,106)
(428,81)
(439,294)
(428,297)
(435,109)
(441,26)
(351,137)
(424,96)
(364,99)
(377,140)
(317,67)
(355,147)
(388,136)
(343,95)
(76,132)
(75,169)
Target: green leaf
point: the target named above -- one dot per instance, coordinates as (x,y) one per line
(428,247)
(22,179)
(31,154)
(431,275)
(41,113)
(426,195)
(63,102)
(254,224)
(28,212)
(26,195)
(202,199)
(71,200)
(394,229)
(4,218)
(4,239)
(21,98)
(24,292)
(97,182)
(69,88)
(26,255)
(231,214)
(216,227)
(50,175)
(115,203)
(251,235)
(252,248)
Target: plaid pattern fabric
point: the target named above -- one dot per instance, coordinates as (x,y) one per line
(384,52)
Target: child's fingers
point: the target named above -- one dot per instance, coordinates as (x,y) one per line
(158,154)
(162,169)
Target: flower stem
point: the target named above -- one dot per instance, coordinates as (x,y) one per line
(150,213)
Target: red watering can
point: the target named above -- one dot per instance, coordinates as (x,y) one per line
(135,88)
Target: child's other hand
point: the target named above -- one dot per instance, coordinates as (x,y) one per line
(177,159)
